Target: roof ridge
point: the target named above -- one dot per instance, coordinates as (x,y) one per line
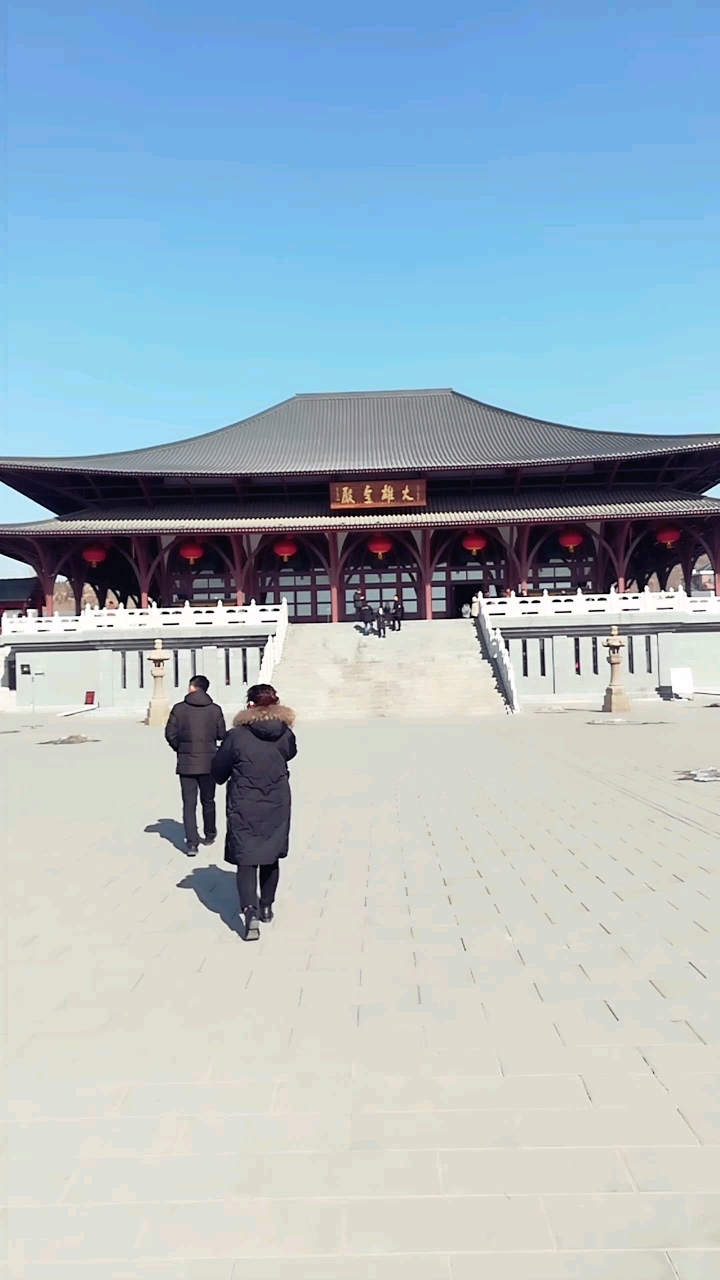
(367,395)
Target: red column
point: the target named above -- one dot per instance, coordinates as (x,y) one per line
(426,572)
(334,577)
(236,544)
(523,540)
(143,555)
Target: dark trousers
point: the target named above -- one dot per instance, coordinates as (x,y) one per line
(247,885)
(396,623)
(189,785)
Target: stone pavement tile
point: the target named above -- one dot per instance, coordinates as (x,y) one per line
(301,1131)
(398,1267)
(418,1130)
(682,1057)
(675,1168)
(46,1101)
(519,1171)
(67,1143)
(114,1057)
(525,1059)
(566,1265)
(456,1059)
(693,1089)
(30,1182)
(618,1090)
(704,1124)
(696,1264)
(381,1092)
(126,1269)
(441,1224)
(251,1173)
(604,1127)
(225,1228)
(640,1221)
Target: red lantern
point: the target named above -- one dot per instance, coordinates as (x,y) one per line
(379,544)
(570,539)
(94,555)
(191,551)
(474,542)
(668,535)
(285,547)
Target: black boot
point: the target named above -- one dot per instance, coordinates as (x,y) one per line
(249,924)
(266,913)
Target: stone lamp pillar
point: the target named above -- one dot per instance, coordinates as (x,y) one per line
(159,708)
(616,698)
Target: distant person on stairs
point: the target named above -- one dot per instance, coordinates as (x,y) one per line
(381,620)
(358,602)
(397,612)
(253,760)
(366,617)
(194,728)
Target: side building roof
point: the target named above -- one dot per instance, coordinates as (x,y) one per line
(373,432)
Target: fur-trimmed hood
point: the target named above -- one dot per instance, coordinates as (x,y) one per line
(254,714)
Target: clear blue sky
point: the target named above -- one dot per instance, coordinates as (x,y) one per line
(210,211)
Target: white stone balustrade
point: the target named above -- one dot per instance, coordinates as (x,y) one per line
(274,645)
(499,655)
(587,604)
(154,618)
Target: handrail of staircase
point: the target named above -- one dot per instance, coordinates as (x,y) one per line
(273,651)
(498,654)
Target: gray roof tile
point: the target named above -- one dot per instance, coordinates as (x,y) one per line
(381,431)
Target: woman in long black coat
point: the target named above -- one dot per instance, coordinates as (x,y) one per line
(253,759)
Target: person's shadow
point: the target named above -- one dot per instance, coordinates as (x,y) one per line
(170,830)
(217,891)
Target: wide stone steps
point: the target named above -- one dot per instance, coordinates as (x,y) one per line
(427,670)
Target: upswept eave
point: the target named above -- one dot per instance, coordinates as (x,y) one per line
(351,433)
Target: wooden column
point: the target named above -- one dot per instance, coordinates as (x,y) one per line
(46,577)
(620,546)
(140,548)
(426,572)
(236,544)
(523,541)
(334,576)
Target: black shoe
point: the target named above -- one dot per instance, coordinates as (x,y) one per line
(249,924)
(266,914)
(191,850)
(209,839)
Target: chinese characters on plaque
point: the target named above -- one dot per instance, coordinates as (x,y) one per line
(351,494)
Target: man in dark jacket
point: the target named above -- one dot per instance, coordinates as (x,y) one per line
(253,760)
(194,728)
(397,611)
(366,617)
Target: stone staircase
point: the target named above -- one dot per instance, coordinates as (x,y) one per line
(428,670)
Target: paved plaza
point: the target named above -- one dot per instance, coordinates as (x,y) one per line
(479,1041)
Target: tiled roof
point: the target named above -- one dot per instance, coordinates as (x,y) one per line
(378,431)
(190,517)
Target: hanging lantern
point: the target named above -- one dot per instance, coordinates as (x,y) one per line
(668,535)
(285,547)
(379,545)
(570,539)
(191,551)
(94,555)
(474,542)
